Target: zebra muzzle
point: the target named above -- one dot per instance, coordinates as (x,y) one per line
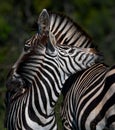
(16,86)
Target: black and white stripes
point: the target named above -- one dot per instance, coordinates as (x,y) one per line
(43,76)
(90,102)
(36,79)
(68,32)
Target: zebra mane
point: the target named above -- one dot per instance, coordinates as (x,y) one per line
(68,32)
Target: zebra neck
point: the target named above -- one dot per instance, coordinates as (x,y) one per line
(45,89)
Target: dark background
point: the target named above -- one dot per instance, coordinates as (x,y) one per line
(96,17)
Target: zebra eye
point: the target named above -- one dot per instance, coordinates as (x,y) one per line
(71,51)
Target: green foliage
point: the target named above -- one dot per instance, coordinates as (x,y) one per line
(2,108)
(39,4)
(5,7)
(5,29)
(57,112)
(17,18)
(97,17)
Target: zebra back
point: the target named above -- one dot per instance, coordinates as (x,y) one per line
(89,104)
(68,32)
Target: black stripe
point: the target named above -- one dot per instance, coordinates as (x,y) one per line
(48,87)
(110,120)
(110,80)
(60,22)
(103,111)
(92,105)
(24,118)
(54,16)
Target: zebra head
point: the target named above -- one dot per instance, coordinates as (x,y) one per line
(37,77)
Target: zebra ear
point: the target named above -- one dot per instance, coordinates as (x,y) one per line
(43,22)
(44,31)
(50,44)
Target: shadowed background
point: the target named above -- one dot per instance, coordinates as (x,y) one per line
(17,18)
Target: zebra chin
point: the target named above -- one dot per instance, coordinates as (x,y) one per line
(16,86)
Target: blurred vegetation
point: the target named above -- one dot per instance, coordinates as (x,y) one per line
(17,17)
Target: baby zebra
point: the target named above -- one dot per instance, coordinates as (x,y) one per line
(35,81)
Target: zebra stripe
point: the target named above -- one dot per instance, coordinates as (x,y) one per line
(89,104)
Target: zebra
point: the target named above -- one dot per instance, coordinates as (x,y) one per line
(89,99)
(74,116)
(35,81)
(73,34)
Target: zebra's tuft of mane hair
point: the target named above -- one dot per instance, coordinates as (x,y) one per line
(68,32)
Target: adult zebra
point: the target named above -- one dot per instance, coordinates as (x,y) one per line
(70,38)
(89,96)
(90,102)
(36,79)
